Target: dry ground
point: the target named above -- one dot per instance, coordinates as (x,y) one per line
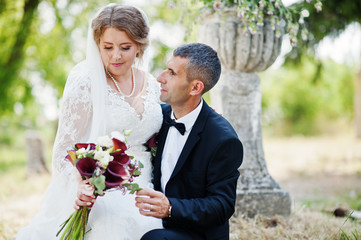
(315,168)
(320,173)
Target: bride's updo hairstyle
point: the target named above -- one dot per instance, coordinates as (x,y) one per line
(124,18)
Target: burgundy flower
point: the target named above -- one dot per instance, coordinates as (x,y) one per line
(86,167)
(121,158)
(115,174)
(153,141)
(85,145)
(119,145)
(152,144)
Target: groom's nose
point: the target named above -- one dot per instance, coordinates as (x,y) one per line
(161,78)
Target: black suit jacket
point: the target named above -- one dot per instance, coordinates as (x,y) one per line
(202,187)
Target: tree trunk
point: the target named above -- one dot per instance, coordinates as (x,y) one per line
(9,69)
(35,153)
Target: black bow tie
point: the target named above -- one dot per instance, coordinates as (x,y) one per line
(179,126)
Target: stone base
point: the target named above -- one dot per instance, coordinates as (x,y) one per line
(263,202)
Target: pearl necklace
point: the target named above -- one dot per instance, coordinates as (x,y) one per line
(118,88)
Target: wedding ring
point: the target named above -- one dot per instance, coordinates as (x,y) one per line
(150,207)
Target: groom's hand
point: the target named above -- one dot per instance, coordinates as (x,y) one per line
(152,203)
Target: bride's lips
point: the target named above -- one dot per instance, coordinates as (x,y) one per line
(117,64)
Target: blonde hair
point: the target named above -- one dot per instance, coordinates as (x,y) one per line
(124,18)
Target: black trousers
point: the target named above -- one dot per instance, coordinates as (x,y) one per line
(170,234)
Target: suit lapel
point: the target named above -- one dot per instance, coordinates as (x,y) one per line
(158,157)
(193,138)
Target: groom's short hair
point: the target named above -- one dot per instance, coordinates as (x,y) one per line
(203,63)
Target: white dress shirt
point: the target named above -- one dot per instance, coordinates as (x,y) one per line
(175,142)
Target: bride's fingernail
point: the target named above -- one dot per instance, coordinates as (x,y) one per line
(88,203)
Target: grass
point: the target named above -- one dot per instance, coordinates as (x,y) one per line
(316,192)
(20,194)
(304,223)
(355,236)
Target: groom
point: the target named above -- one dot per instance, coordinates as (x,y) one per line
(198,155)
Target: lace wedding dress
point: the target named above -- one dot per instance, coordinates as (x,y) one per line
(113,216)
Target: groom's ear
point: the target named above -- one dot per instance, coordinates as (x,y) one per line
(197,87)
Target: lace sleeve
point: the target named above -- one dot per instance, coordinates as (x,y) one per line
(74,120)
(74,123)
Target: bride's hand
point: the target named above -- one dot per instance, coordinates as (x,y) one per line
(85,195)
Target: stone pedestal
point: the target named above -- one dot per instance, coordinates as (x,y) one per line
(238,97)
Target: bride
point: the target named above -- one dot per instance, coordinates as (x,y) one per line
(107,92)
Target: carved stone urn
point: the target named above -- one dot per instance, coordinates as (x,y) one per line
(237,96)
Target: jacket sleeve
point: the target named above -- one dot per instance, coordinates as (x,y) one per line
(217,206)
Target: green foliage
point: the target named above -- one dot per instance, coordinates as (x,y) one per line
(132,187)
(296,103)
(253,14)
(12,159)
(15,124)
(335,17)
(41,41)
(167,12)
(99,184)
(189,14)
(35,49)
(160,58)
(15,23)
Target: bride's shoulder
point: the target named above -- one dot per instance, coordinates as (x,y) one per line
(78,80)
(79,76)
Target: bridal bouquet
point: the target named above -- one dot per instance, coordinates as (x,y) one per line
(105,165)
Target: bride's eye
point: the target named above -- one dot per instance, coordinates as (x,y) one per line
(108,48)
(125,48)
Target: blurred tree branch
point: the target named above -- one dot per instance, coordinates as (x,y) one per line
(11,66)
(331,21)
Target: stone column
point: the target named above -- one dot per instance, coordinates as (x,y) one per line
(35,159)
(238,97)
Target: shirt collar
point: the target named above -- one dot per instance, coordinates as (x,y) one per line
(189,119)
